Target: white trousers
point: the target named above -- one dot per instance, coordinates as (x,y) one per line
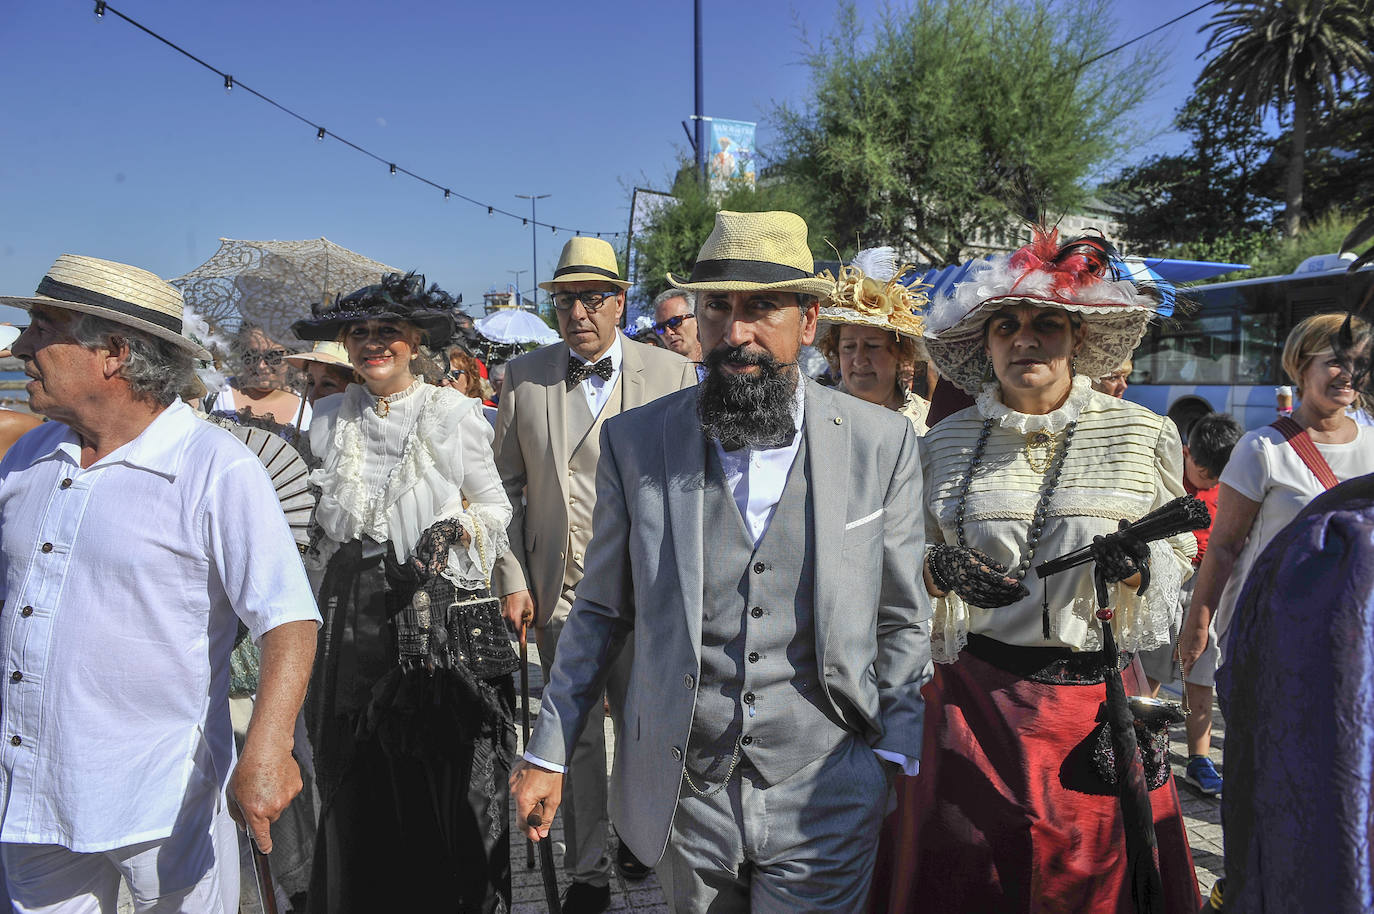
(184,874)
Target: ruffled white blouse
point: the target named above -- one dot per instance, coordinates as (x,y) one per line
(1123,462)
(390,477)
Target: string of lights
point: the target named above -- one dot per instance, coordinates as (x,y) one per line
(1144,35)
(230,84)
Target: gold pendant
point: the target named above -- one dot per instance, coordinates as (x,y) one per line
(1040,450)
(383,407)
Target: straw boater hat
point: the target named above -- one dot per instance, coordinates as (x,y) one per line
(395,298)
(586,260)
(326,353)
(868,293)
(117,292)
(755,252)
(1085,276)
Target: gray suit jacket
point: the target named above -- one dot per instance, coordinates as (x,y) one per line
(532,453)
(644,581)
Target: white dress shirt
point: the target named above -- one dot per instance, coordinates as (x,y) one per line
(596,390)
(123,584)
(756,477)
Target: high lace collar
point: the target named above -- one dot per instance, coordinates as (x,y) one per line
(990,407)
(382,405)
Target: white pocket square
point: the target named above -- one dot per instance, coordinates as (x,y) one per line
(863,520)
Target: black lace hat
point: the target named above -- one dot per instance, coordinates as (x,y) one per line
(395,298)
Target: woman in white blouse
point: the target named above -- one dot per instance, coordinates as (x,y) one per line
(411,703)
(1266,483)
(1009,812)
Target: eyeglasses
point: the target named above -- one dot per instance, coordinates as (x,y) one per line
(672,323)
(273,357)
(592,301)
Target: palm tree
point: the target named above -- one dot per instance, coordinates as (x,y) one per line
(1289,54)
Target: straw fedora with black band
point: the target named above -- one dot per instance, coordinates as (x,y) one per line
(586,260)
(755,252)
(117,292)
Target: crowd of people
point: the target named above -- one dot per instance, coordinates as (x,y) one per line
(814,610)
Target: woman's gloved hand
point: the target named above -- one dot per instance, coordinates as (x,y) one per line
(431,552)
(1119,558)
(975,576)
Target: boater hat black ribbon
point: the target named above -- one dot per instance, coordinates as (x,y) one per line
(760,271)
(51,288)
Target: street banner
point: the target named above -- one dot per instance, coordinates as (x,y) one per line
(730,153)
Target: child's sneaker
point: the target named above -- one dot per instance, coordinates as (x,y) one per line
(1202,774)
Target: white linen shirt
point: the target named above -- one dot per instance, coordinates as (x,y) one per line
(121,588)
(594,388)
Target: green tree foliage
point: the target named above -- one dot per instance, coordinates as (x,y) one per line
(1294,57)
(677,231)
(1208,203)
(958,114)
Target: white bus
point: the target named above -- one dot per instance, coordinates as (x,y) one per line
(1225,355)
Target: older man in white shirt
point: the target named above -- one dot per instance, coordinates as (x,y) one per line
(133,539)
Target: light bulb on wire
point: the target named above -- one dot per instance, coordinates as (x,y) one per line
(228,84)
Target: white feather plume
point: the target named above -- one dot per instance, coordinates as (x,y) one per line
(877,263)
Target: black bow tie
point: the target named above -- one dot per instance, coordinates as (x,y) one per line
(579,371)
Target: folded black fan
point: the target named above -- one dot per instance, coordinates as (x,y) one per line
(1182,515)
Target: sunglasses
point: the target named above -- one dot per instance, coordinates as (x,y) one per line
(672,323)
(592,301)
(273,357)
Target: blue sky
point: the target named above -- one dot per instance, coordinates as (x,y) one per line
(117,147)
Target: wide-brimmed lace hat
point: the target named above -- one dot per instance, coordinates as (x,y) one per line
(117,292)
(755,252)
(586,260)
(395,298)
(868,293)
(1085,276)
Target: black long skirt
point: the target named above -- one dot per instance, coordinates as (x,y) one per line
(413,770)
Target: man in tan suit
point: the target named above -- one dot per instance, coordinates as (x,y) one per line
(547,446)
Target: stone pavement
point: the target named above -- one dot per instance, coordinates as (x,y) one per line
(1201,815)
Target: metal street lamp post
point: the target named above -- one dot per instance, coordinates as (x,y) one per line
(534,237)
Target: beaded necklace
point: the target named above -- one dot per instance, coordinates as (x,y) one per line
(1037,527)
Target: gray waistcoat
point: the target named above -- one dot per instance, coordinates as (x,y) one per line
(759,674)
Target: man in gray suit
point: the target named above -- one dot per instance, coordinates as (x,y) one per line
(758,541)
(548,435)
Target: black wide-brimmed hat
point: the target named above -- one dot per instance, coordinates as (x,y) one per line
(395,298)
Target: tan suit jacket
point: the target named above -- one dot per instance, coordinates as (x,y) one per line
(532,454)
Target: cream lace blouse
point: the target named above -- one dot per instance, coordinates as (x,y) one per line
(390,477)
(1123,462)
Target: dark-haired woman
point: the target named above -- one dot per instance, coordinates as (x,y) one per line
(411,704)
(1013,810)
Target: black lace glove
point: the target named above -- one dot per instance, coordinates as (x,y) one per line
(431,552)
(1118,557)
(975,576)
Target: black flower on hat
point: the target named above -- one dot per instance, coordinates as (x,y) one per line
(395,298)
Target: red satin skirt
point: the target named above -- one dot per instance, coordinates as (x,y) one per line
(1008,814)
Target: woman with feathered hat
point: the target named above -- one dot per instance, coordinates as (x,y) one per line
(869,327)
(1009,812)
(411,703)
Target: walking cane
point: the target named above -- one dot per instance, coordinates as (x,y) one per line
(262,872)
(546,865)
(525,716)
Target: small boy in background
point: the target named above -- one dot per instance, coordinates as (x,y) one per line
(1210,441)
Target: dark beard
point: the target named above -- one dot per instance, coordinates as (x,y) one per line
(747,410)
